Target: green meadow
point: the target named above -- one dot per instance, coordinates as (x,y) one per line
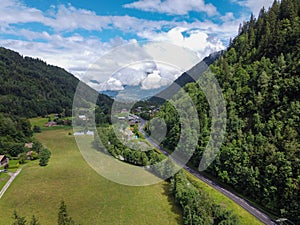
(90,198)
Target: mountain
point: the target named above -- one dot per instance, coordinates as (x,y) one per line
(133,93)
(30,87)
(259,75)
(111,94)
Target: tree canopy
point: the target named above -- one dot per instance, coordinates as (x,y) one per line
(259,77)
(30,87)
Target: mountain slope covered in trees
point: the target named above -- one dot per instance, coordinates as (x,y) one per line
(30,87)
(260,78)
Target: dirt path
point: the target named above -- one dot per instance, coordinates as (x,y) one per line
(6,186)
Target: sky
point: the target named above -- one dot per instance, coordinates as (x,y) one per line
(82,35)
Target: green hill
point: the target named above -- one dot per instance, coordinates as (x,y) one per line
(30,87)
(259,77)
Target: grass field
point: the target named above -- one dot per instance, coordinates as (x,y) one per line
(90,198)
(41,121)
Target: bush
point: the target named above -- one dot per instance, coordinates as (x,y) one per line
(36,129)
(44,157)
(22,158)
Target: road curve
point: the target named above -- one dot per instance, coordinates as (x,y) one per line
(240,201)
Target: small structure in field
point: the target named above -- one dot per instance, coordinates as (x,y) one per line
(50,124)
(82,117)
(80,133)
(28,155)
(4,160)
(28,145)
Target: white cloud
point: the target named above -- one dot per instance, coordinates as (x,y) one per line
(254,5)
(145,74)
(58,43)
(13,11)
(130,76)
(196,40)
(63,18)
(173,7)
(112,84)
(69,18)
(228,17)
(153,81)
(73,53)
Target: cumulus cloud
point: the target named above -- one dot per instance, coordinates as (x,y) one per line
(130,76)
(193,39)
(152,81)
(13,11)
(147,65)
(146,75)
(173,7)
(112,84)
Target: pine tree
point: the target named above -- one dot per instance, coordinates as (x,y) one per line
(19,220)
(34,221)
(63,217)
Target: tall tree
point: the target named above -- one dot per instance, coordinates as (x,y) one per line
(63,217)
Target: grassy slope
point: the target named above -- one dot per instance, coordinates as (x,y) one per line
(245,217)
(90,198)
(40,121)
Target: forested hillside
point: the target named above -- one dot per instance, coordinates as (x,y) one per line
(30,87)
(259,77)
(14,133)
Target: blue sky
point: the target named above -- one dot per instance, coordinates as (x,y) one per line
(73,34)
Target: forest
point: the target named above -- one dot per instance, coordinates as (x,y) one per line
(14,133)
(260,82)
(30,87)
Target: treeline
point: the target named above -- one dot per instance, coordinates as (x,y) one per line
(108,142)
(259,77)
(198,207)
(30,87)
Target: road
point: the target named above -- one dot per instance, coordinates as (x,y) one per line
(11,179)
(240,201)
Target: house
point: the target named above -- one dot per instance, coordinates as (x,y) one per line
(124,111)
(3,160)
(28,155)
(82,117)
(50,124)
(28,145)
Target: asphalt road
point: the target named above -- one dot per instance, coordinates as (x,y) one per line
(240,201)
